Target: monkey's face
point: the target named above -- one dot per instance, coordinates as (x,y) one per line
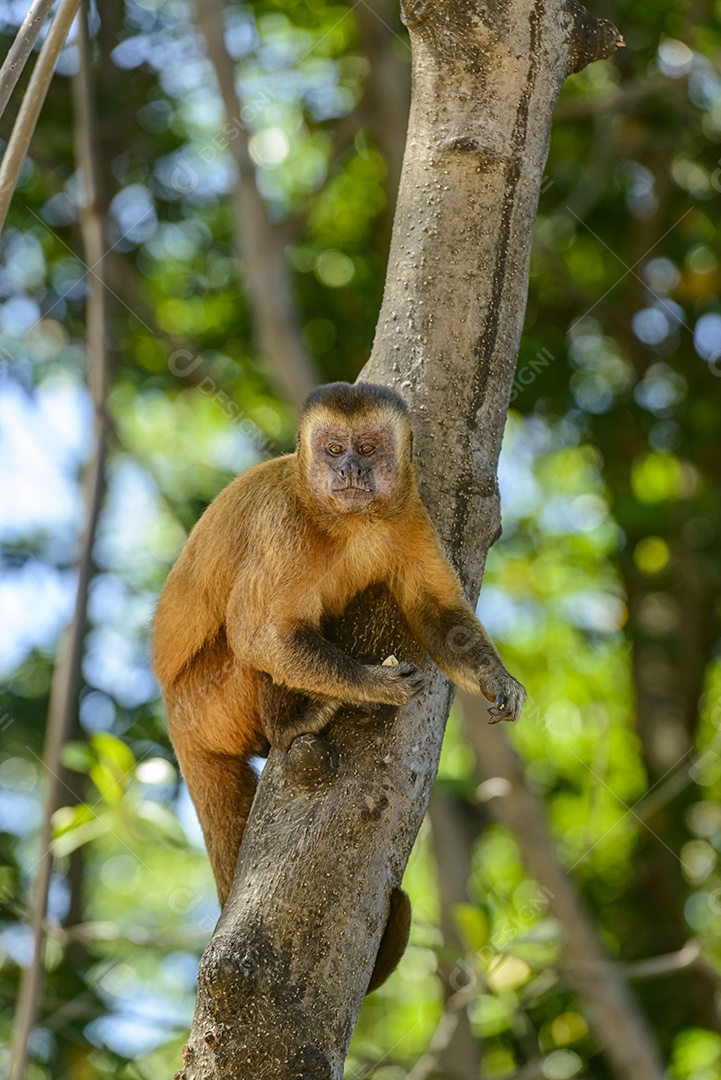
(355,469)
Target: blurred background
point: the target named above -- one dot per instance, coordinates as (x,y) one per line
(247,183)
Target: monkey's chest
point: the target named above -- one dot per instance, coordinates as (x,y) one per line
(348,574)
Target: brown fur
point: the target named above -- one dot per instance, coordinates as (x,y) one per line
(280,549)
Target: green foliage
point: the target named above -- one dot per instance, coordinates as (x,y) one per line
(696,1055)
(602,594)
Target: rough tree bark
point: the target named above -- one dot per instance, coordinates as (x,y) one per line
(334,820)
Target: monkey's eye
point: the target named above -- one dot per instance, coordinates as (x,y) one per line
(335,448)
(366,448)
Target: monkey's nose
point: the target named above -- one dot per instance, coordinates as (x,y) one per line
(350,470)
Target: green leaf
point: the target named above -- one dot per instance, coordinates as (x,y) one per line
(70,817)
(77,756)
(113,751)
(163,820)
(75,826)
(472,924)
(114,768)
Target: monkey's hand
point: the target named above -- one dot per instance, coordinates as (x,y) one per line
(503,690)
(398,684)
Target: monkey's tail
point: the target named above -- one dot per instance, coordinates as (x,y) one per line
(394,940)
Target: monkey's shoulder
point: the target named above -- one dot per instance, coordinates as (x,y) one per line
(231,539)
(273,477)
(249,501)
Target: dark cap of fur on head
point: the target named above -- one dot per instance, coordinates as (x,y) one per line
(350,399)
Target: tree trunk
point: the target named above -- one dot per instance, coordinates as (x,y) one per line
(334,821)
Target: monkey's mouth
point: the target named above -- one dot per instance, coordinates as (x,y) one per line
(353,495)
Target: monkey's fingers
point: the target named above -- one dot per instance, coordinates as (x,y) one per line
(403,682)
(507,696)
(498,713)
(410,676)
(502,708)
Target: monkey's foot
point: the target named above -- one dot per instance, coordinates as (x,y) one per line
(313,760)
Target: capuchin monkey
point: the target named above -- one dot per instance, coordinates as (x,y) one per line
(285,547)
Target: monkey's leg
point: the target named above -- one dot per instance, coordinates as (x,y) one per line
(222,787)
(214,725)
(286,713)
(394,940)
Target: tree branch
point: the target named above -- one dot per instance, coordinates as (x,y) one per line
(384,107)
(66,676)
(592,38)
(22,133)
(21,48)
(455,825)
(260,245)
(442,1039)
(687,958)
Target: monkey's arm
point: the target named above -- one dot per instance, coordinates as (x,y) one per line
(289,647)
(430,596)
